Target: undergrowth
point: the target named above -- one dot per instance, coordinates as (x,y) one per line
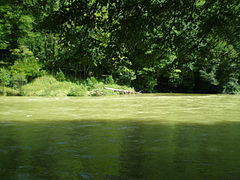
(9,91)
(49,86)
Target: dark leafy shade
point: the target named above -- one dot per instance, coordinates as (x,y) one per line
(167,45)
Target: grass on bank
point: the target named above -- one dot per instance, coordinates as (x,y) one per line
(49,86)
(9,91)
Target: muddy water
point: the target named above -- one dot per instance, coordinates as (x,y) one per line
(157,136)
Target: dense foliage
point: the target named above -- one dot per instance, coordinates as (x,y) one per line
(153,46)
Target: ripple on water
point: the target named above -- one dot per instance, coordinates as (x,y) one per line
(3,151)
(7,124)
(86,175)
(157,136)
(61,143)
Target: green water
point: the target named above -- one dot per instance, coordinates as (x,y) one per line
(156,136)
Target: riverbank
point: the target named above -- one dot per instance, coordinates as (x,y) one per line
(50,86)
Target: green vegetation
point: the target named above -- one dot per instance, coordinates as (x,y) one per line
(9,91)
(50,86)
(97,88)
(153,46)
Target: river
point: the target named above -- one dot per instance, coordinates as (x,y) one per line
(128,137)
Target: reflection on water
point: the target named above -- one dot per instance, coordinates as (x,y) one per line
(100,150)
(129,146)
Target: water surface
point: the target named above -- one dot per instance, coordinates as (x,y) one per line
(157,136)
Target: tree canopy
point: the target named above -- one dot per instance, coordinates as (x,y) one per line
(154,46)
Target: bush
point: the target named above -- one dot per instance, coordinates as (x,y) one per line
(9,91)
(60,76)
(231,87)
(145,83)
(18,80)
(91,82)
(125,76)
(49,86)
(109,80)
(175,78)
(28,67)
(5,77)
(146,80)
(77,90)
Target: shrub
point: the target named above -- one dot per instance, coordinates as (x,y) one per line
(27,66)
(49,86)
(5,77)
(145,83)
(77,90)
(125,76)
(109,80)
(146,80)
(18,80)
(91,82)
(231,87)
(9,91)
(175,78)
(60,76)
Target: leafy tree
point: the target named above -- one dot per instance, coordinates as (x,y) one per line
(26,64)
(155,45)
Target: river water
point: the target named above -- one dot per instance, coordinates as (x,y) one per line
(155,136)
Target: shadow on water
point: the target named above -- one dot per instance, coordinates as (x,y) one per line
(119,150)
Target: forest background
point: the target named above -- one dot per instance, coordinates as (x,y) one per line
(75,47)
